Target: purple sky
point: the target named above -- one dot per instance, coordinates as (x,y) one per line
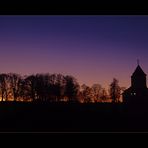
(94,49)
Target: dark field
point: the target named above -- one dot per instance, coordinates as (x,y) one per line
(72,117)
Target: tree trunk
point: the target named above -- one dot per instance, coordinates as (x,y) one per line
(2,97)
(6,96)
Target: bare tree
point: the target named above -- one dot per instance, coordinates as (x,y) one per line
(4,86)
(15,81)
(60,87)
(104,95)
(87,93)
(115,91)
(30,87)
(96,90)
(40,88)
(71,88)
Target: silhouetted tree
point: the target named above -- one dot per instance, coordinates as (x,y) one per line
(23,91)
(96,92)
(103,95)
(51,86)
(87,93)
(4,86)
(81,97)
(30,87)
(15,81)
(47,87)
(40,87)
(71,88)
(59,87)
(115,91)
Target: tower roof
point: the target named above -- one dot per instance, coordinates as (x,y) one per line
(138,71)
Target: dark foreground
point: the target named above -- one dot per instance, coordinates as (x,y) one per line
(64,117)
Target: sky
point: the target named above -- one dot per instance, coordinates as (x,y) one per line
(92,48)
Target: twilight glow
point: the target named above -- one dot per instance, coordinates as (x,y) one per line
(94,49)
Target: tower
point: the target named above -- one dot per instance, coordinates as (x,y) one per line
(138,90)
(138,79)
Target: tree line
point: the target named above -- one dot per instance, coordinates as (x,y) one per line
(54,88)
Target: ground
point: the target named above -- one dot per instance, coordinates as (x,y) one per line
(72,117)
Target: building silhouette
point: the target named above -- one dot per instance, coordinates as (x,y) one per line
(138,92)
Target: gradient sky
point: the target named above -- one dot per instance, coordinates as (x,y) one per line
(94,49)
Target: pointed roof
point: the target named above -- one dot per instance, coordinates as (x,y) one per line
(138,71)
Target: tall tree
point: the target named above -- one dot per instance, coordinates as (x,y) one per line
(30,87)
(15,81)
(4,86)
(40,88)
(87,94)
(52,88)
(23,91)
(59,87)
(71,88)
(104,96)
(96,90)
(115,91)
